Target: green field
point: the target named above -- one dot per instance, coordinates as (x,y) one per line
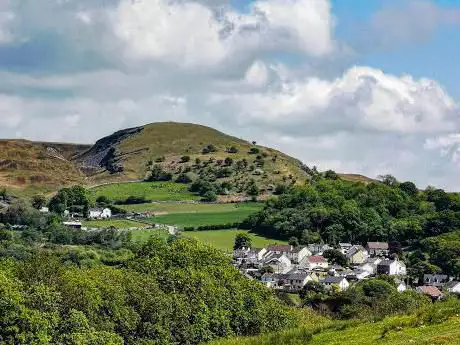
(224,239)
(153,191)
(144,235)
(221,214)
(192,207)
(117,223)
(446,333)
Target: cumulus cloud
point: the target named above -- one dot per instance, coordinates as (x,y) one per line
(6,19)
(191,34)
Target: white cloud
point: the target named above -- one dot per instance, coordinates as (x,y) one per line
(191,34)
(308,22)
(257,74)
(6,20)
(363,98)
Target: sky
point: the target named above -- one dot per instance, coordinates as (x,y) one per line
(356,86)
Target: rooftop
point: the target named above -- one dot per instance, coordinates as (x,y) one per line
(377,245)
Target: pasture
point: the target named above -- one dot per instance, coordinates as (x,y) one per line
(153,191)
(116,223)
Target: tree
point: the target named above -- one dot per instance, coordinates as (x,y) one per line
(294,241)
(158,174)
(233,149)
(389,180)
(5,236)
(254,151)
(228,161)
(336,257)
(242,240)
(266,269)
(183,178)
(409,188)
(38,201)
(102,199)
(209,196)
(331,175)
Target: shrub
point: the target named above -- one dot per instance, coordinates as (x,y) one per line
(233,149)
(209,196)
(184,178)
(254,151)
(185,159)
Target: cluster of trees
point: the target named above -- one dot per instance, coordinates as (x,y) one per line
(369,300)
(191,296)
(74,199)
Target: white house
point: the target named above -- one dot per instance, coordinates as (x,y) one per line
(318,248)
(270,280)
(295,254)
(453,287)
(250,255)
(99,213)
(280,263)
(73,225)
(341,283)
(401,285)
(314,261)
(391,267)
(44,209)
(370,265)
(358,274)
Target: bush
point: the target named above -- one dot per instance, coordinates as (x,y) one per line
(254,151)
(158,174)
(185,159)
(209,196)
(184,178)
(233,149)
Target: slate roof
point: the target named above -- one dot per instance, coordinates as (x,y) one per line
(332,280)
(377,245)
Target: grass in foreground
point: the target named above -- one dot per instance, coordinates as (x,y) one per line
(154,191)
(224,239)
(116,223)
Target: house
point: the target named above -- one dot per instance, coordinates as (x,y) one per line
(318,249)
(345,247)
(453,287)
(356,255)
(358,274)
(341,283)
(437,280)
(249,255)
(73,225)
(280,263)
(431,291)
(370,265)
(391,267)
(295,254)
(313,262)
(377,248)
(270,280)
(99,213)
(400,285)
(295,281)
(44,210)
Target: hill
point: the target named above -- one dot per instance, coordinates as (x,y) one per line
(38,165)
(132,153)
(195,150)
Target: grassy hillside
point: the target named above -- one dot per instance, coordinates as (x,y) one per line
(153,191)
(353,333)
(27,166)
(129,154)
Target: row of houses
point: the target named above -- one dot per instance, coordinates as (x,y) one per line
(93,213)
(291,268)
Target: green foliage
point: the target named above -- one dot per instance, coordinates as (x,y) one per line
(183,178)
(242,240)
(66,198)
(158,174)
(209,196)
(185,159)
(335,257)
(189,297)
(38,201)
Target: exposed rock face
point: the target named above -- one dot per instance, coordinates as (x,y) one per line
(104,154)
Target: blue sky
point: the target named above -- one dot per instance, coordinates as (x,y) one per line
(362,86)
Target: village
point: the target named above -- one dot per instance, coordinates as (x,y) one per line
(290,268)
